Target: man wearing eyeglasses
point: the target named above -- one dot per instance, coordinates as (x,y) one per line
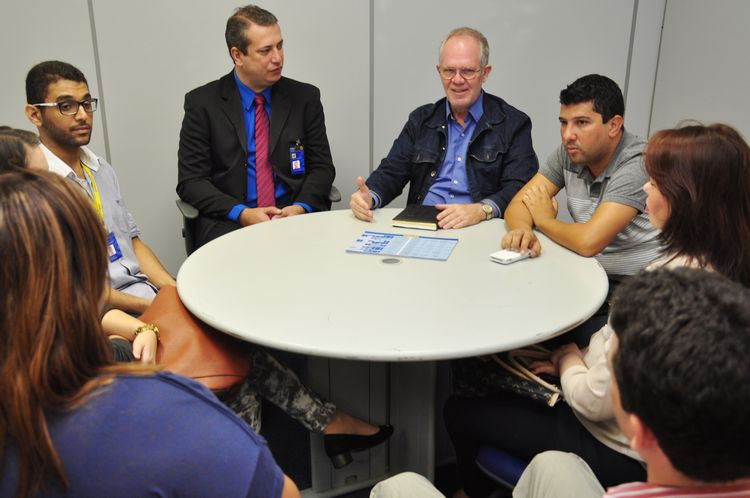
(467,154)
(61,107)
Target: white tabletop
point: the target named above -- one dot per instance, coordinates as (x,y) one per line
(290,284)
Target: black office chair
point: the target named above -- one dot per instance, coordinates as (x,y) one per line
(190,214)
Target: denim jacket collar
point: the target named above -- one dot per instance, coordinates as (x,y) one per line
(493,114)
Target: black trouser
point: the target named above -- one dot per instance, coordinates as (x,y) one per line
(524,428)
(122,350)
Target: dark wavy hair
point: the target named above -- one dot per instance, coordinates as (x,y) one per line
(681,366)
(604,93)
(704,174)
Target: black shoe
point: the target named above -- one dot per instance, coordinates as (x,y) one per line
(339,447)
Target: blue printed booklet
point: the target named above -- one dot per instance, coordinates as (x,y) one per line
(407,246)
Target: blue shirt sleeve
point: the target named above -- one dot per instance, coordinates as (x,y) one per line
(235,212)
(375,199)
(306,207)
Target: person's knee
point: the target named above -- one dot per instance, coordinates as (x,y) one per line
(406,484)
(552,458)
(559,473)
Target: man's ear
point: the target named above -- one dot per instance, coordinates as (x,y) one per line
(34,114)
(236,55)
(615,125)
(487,71)
(642,438)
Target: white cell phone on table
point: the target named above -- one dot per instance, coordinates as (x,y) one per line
(507,256)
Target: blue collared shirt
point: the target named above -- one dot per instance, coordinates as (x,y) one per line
(247,96)
(452,184)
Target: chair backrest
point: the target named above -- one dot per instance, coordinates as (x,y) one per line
(189,215)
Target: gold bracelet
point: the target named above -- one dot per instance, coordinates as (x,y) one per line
(147,326)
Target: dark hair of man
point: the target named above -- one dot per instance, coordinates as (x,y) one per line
(704,174)
(238,23)
(53,353)
(599,90)
(12,152)
(681,366)
(41,76)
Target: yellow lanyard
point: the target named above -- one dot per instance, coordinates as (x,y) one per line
(95,199)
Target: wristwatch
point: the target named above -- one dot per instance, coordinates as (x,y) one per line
(489,213)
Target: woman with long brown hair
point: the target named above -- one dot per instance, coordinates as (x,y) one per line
(699,195)
(72,423)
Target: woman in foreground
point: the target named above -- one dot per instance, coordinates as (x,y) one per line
(72,422)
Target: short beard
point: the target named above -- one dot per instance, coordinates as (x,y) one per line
(66,139)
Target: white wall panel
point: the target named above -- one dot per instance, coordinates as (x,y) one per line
(704,65)
(643,63)
(37,30)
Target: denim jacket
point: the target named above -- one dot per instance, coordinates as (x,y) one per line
(500,157)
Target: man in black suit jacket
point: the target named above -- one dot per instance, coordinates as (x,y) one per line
(216,158)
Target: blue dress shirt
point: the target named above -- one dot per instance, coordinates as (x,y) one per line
(247,95)
(452,184)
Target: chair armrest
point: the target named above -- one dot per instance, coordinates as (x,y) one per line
(188,210)
(334,195)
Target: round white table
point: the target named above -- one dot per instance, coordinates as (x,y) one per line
(290,284)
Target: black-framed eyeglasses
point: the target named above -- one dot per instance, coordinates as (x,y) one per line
(70,107)
(467,73)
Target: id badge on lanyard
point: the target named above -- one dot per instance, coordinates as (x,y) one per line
(297,158)
(113,248)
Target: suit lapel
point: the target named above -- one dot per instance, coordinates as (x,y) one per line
(280,107)
(231,105)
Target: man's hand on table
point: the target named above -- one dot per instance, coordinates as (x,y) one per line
(459,215)
(521,239)
(251,216)
(361,201)
(288,211)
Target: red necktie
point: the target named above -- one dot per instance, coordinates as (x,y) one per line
(263,172)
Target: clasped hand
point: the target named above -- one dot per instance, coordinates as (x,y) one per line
(144,346)
(251,216)
(540,203)
(556,364)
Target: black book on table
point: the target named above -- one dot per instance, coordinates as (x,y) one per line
(417,216)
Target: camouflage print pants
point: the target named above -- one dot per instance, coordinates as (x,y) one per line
(278,384)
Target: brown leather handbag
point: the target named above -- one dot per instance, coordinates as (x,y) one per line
(189,347)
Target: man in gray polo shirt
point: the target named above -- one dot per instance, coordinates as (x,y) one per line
(600,165)
(59,104)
